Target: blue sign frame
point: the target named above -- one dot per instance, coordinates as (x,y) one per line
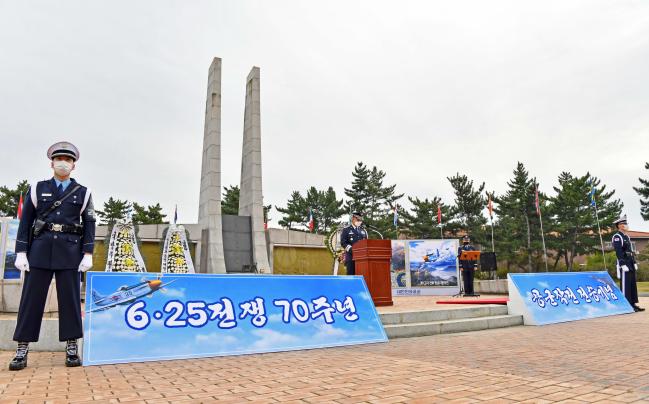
(134,317)
(554,297)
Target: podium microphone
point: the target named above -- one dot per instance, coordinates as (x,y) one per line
(374,229)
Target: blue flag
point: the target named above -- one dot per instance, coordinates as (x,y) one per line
(592,196)
(395,221)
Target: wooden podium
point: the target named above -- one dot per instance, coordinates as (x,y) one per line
(372,260)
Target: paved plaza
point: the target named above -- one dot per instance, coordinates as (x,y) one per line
(600,360)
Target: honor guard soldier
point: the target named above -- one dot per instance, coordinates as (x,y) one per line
(55,238)
(468,267)
(349,236)
(626,264)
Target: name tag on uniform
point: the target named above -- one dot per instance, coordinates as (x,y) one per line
(46,194)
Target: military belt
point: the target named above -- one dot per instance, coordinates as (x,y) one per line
(64,228)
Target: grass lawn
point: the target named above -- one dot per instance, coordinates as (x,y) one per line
(643,286)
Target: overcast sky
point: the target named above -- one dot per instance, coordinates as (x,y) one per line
(421,89)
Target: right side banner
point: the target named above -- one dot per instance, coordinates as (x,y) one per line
(555,297)
(424,267)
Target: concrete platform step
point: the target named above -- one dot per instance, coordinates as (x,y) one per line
(443,314)
(451,326)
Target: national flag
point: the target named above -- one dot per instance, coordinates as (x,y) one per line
(176,214)
(536,201)
(490,206)
(395,219)
(592,196)
(20,207)
(439,214)
(311,221)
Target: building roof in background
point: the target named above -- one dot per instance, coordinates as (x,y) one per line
(637,234)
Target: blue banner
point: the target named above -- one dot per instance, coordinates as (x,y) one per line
(133,317)
(554,297)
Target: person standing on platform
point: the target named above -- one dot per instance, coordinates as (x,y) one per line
(626,264)
(55,238)
(468,267)
(349,236)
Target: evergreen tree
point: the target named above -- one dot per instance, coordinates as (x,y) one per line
(518,224)
(358,193)
(643,191)
(574,228)
(295,212)
(9,198)
(324,206)
(148,215)
(330,209)
(230,202)
(466,214)
(421,221)
(369,196)
(114,210)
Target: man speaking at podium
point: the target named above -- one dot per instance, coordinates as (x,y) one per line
(349,236)
(468,267)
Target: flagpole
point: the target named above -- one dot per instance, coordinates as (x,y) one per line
(538,210)
(545,251)
(493,246)
(601,241)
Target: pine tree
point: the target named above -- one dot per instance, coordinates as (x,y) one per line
(148,215)
(114,210)
(643,191)
(230,202)
(518,226)
(369,196)
(9,198)
(421,221)
(295,212)
(466,214)
(330,210)
(358,193)
(574,228)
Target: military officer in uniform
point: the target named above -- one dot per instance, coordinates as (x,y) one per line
(349,236)
(55,239)
(626,264)
(468,267)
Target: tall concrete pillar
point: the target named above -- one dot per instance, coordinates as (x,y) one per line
(209,210)
(251,200)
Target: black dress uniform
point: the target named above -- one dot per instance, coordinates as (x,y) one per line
(349,236)
(626,258)
(57,251)
(468,268)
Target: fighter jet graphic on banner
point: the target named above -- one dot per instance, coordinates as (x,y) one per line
(127,294)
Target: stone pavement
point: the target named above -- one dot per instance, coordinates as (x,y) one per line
(605,360)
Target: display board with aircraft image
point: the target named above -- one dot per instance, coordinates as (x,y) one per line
(424,267)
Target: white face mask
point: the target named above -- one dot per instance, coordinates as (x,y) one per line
(62,168)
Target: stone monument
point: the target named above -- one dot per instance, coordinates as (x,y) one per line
(251,200)
(209,210)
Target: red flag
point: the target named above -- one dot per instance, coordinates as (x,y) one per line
(490,206)
(20,206)
(536,202)
(311,221)
(439,214)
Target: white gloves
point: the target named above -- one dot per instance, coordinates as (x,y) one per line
(348,248)
(636,266)
(625,268)
(86,263)
(21,262)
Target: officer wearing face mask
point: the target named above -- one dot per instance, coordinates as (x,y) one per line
(55,239)
(349,236)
